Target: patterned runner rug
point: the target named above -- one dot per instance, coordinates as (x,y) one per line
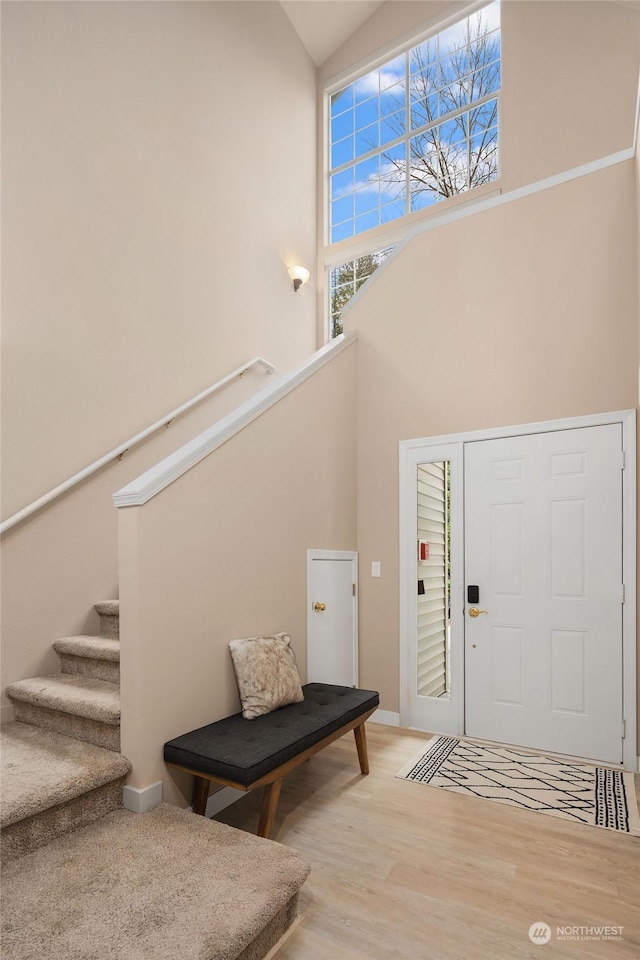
(562,788)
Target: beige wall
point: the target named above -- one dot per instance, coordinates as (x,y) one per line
(158,174)
(221,553)
(524,313)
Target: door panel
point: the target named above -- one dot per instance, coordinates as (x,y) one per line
(332,640)
(543,539)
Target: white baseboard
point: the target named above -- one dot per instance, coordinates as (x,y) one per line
(387,717)
(221,799)
(139,801)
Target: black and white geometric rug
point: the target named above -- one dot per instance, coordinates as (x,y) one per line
(562,788)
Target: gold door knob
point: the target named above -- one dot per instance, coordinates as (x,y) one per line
(474,612)
(319,607)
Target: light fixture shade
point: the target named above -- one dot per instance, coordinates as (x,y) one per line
(299,275)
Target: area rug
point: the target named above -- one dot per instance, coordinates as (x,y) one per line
(562,788)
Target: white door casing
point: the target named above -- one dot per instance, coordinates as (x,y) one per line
(447,716)
(332,617)
(543,541)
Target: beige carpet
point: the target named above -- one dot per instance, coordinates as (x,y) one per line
(580,792)
(156,886)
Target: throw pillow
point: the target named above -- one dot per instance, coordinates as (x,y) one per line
(266,674)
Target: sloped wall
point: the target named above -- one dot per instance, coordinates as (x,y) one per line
(158,175)
(221,554)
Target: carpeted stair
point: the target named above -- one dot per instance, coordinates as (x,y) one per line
(61,767)
(83,879)
(162,885)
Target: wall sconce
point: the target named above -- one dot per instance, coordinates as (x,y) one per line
(299,275)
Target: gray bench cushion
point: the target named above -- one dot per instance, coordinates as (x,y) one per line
(245,750)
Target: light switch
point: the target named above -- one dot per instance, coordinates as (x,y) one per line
(375,568)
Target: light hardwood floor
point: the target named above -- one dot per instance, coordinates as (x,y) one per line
(401,870)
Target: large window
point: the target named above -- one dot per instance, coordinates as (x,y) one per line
(418,129)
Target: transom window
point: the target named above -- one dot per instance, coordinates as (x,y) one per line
(417,129)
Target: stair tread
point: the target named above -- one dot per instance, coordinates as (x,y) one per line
(108,608)
(41,769)
(71,693)
(144,885)
(96,648)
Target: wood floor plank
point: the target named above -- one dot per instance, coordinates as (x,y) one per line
(402,871)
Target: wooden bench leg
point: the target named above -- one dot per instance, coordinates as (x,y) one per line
(270,799)
(200,795)
(361,744)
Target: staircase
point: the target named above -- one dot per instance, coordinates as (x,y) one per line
(61,766)
(83,878)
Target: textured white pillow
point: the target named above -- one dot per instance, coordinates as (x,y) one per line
(266,673)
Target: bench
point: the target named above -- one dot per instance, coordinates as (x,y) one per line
(247,754)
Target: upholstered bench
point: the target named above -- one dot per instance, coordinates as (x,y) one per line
(246,754)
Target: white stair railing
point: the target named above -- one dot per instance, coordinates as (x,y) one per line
(128,444)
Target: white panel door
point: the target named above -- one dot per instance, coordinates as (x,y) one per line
(332,653)
(543,543)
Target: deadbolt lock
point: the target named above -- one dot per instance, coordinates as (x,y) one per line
(319,607)
(474,612)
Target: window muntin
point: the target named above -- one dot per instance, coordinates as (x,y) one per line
(346,279)
(418,129)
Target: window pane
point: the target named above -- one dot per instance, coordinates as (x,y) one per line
(367,139)
(367,86)
(484,157)
(392,99)
(454,130)
(341,210)
(368,199)
(424,195)
(484,116)
(366,113)
(342,126)
(453,67)
(393,173)
(485,81)
(342,184)
(367,221)
(342,152)
(342,231)
(391,211)
(342,100)
(424,111)
(393,127)
(367,170)
(423,54)
(393,71)
(424,82)
(454,37)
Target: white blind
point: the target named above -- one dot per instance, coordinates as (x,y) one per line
(433,604)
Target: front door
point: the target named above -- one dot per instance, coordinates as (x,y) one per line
(543,631)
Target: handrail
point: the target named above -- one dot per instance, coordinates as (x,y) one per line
(128,444)
(158,477)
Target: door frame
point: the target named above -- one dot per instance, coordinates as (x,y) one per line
(410,453)
(313,554)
